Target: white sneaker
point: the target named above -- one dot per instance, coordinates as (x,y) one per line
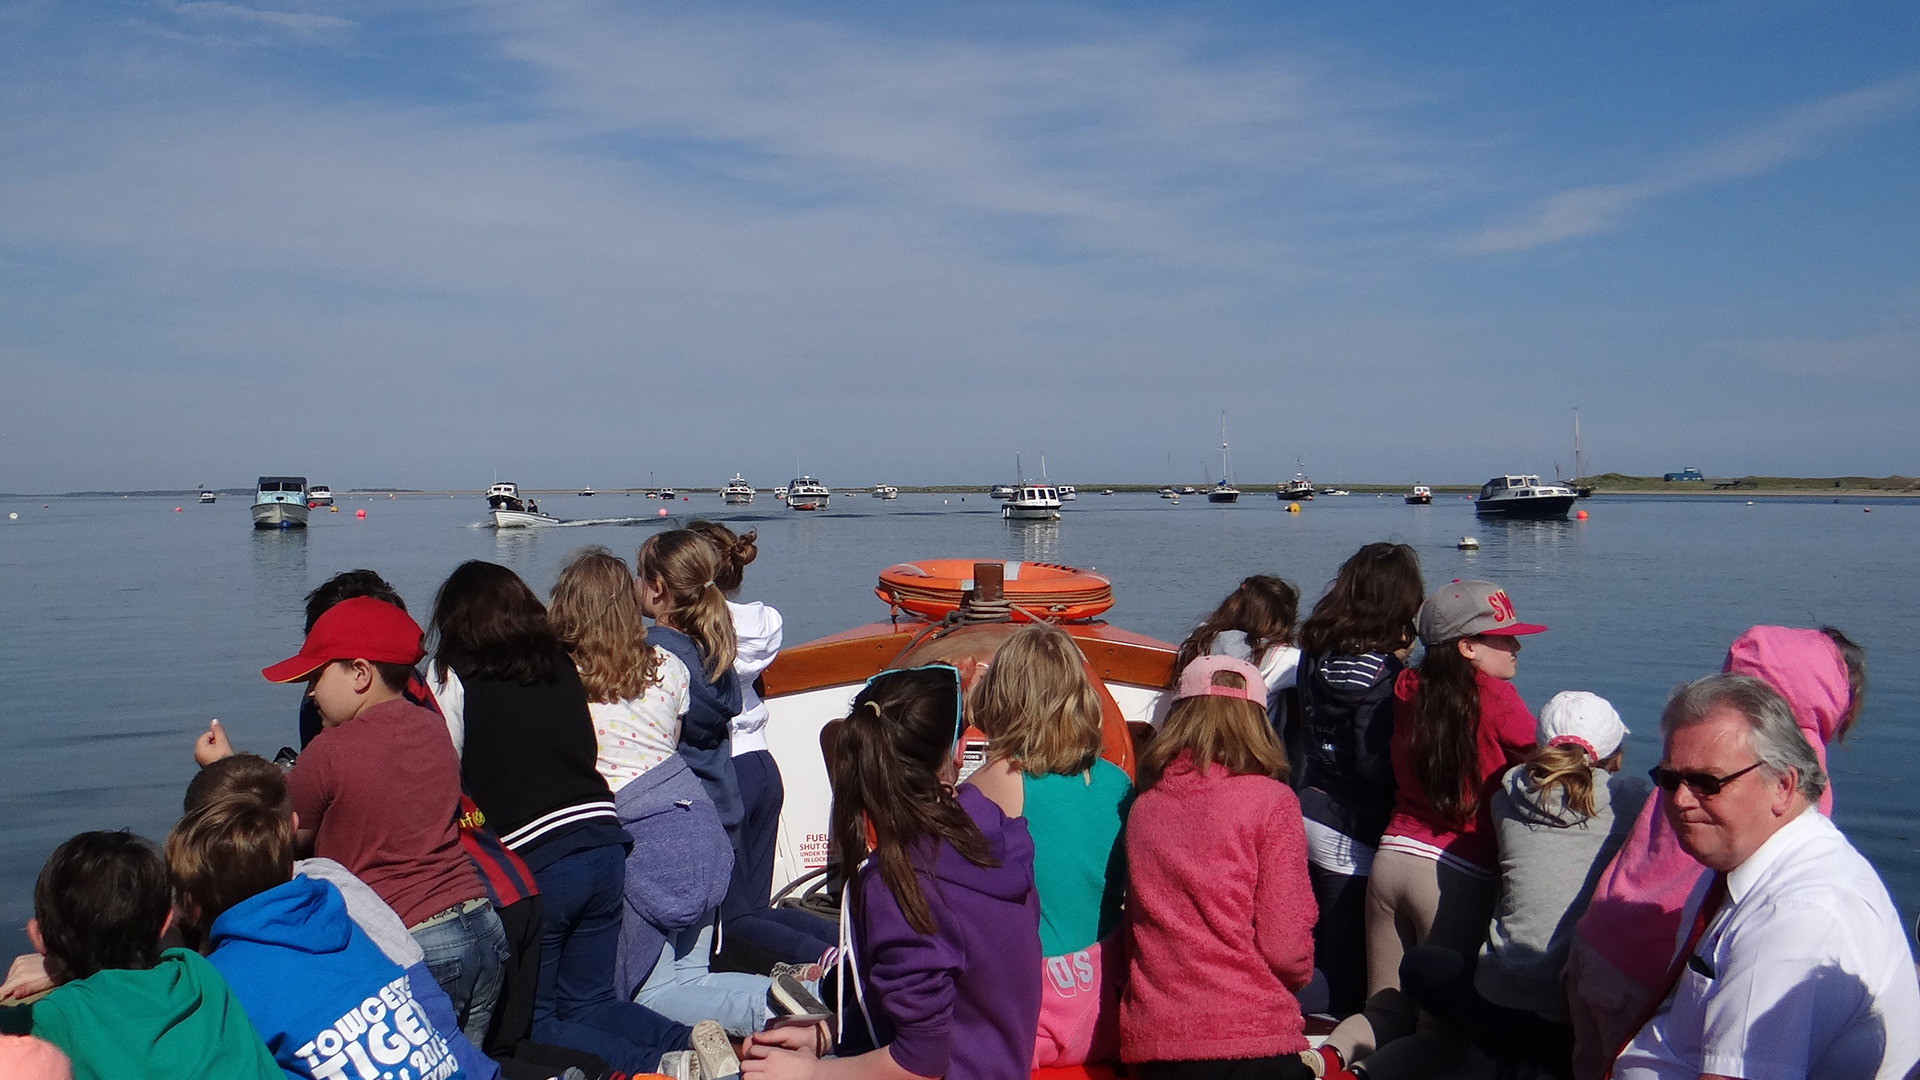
(713,1052)
(679,1065)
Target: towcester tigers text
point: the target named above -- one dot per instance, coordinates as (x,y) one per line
(385,1037)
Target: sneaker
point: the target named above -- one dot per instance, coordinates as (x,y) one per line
(804,972)
(790,999)
(713,1052)
(679,1065)
(1324,1062)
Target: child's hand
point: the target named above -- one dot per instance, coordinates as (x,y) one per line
(212,745)
(27,977)
(779,1065)
(804,1039)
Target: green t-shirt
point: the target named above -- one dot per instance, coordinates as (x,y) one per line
(175,1019)
(1079,864)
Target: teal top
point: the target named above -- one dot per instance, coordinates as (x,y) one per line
(1079,862)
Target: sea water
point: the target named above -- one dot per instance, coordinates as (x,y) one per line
(128,625)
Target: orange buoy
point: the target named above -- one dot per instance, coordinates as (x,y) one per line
(930,588)
(1581,514)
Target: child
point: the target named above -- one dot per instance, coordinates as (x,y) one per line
(939,906)
(1458,724)
(1353,646)
(378,791)
(121,1007)
(1255,624)
(1560,815)
(324,998)
(757,933)
(508,687)
(1041,716)
(1220,912)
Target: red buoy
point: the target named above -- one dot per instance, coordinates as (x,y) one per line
(360,513)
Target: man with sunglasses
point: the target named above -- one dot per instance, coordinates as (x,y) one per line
(1795,963)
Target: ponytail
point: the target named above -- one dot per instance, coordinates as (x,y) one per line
(1566,766)
(684,563)
(735,551)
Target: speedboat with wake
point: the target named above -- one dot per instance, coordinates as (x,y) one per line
(1524,496)
(512,512)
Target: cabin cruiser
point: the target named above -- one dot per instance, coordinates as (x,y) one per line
(1170,493)
(1068,492)
(1298,489)
(1033,502)
(1336,491)
(586,491)
(737,492)
(669,493)
(806,493)
(319,495)
(885,491)
(280,502)
(1523,496)
(1223,492)
(511,512)
(206,496)
(1001,491)
(1421,495)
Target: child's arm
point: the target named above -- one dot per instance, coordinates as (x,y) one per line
(212,745)
(788,1053)
(1283,907)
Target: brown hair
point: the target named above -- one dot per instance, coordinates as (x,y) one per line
(596,614)
(101,899)
(1370,606)
(1443,745)
(489,625)
(239,776)
(686,564)
(736,551)
(1855,657)
(1566,766)
(1230,732)
(226,852)
(1037,706)
(1263,607)
(885,769)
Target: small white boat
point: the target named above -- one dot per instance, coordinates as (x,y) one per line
(1336,491)
(780,493)
(319,495)
(1421,495)
(1108,491)
(1524,496)
(1068,493)
(1170,493)
(586,491)
(1001,491)
(206,496)
(885,491)
(1033,502)
(280,502)
(512,512)
(669,493)
(737,492)
(806,493)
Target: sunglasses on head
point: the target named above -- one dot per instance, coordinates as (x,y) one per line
(1702,784)
(959,699)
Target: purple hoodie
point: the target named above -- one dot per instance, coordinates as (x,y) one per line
(1634,919)
(965,1002)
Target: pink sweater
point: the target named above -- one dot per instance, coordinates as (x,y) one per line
(1220,919)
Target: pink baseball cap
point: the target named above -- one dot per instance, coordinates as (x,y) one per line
(1197,680)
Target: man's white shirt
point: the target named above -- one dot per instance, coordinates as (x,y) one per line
(1804,972)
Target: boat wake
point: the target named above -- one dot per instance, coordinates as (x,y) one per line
(617,522)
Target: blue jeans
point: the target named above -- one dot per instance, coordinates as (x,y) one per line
(781,934)
(684,987)
(581,903)
(467,956)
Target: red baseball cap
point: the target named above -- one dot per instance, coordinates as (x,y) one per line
(358,629)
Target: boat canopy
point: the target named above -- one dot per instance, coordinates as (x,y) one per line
(283,483)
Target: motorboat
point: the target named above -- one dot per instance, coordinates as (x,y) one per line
(669,493)
(885,491)
(1336,491)
(319,495)
(1170,493)
(737,492)
(1068,492)
(1107,491)
(807,493)
(206,496)
(1032,502)
(1002,491)
(586,492)
(510,511)
(1421,495)
(280,502)
(1523,496)
(1298,489)
(942,611)
(1189,489)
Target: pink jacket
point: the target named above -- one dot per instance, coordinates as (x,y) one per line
(1220,917)
(1634,919)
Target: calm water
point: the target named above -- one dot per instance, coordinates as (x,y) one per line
(127,625)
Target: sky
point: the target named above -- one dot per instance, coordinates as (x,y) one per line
(432,244)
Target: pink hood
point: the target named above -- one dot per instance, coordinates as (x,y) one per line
(1634,918)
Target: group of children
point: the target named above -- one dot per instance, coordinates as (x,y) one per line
(547,851)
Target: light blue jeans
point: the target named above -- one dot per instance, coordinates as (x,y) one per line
(467,956)
(683,986)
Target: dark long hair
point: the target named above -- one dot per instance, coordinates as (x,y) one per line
(487,624)
(1370,606)
(885,769)
(1446,725)
(1264,608)
(1855,658)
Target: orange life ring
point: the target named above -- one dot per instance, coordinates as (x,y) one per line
(930,588)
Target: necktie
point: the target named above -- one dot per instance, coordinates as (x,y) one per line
(1709,907)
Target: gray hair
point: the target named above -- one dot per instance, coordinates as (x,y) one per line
(1776,739)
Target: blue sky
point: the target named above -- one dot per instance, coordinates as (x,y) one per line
(425,244)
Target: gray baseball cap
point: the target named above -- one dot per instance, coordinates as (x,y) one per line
(1462,609)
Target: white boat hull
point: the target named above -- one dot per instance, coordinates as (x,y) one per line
(521,519)
(1030,513)
(280,515)
(738,498)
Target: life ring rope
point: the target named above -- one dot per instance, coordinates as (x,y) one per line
(1033,591)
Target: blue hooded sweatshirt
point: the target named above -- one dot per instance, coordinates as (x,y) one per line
(328,1002)
(703,731)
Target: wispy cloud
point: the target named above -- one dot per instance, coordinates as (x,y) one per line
(1800,133)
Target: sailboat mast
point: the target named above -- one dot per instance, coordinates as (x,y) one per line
(1579,465)
(1223,444)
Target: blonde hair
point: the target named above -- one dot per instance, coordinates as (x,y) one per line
(1567,767)
(1230,732)
(684,563)
(1036,705)
(596,615)
(736,551)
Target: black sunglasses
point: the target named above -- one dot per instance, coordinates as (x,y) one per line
(1705,785)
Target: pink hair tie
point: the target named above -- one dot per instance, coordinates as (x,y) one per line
(1574,740)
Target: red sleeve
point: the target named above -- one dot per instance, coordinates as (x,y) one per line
(1513,726)
(1283,910)
(310,785)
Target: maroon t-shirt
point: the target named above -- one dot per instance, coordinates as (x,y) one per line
(382,791)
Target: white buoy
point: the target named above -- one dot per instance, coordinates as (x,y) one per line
(13,517)
(1468,543)
(1749,502)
